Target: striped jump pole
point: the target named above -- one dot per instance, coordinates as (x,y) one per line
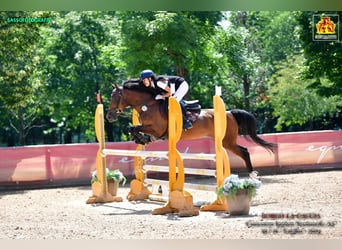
(164,197)
(160,154)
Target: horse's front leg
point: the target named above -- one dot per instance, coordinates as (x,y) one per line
(138,136)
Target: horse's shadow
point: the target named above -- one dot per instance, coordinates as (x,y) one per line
(270,180)
(125,210)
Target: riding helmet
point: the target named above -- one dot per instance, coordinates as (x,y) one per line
(146,73)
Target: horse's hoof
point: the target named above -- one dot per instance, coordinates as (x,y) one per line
(139,142)
(131,130)
(254,174)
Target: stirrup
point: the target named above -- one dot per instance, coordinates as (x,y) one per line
(188,124)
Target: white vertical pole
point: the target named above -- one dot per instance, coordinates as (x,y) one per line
(172,88)
(218,90)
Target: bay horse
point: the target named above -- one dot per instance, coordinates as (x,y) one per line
(154,120)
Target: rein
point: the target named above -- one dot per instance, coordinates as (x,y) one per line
(117,110)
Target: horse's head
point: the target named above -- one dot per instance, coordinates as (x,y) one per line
(115,108)
(133,94)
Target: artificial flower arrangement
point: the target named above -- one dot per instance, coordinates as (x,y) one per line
(115,175)
(233,183)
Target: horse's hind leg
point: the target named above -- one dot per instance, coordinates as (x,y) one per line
(243,153)
(246,158)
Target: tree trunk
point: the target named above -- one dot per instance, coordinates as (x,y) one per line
(67,135)
(21,127)
(181,71)
(246,89)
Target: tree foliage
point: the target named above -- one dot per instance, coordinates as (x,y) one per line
(78,65)
(50,73)
(294,102)
(19,81)
(173,43)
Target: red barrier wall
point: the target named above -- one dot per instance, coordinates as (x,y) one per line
(67,163)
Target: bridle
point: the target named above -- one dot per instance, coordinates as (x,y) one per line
(116,92)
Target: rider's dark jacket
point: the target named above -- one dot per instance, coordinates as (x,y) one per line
(177,80)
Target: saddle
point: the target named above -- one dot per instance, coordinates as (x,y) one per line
(193,110)
(193,106)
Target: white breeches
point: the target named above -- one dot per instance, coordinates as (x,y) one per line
(181,91)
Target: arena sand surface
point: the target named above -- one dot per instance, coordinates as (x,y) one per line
(288,206)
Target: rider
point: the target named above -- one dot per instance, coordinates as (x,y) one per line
(163,89)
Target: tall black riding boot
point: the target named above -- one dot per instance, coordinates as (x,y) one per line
(186,123)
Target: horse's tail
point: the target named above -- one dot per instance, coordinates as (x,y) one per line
(247,126)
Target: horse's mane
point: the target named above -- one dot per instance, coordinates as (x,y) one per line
(136,84)
(132,84)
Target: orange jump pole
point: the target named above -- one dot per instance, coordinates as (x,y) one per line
(138,188)
(100,188)
(222,160)
(180,201)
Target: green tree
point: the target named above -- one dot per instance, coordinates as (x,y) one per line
(78,63)
(165,41)
(171,43)
(19,82)
(251,45)
(293,102)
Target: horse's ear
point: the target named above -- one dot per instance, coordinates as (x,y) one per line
(115,86)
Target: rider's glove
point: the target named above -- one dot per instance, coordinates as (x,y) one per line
(158,97)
